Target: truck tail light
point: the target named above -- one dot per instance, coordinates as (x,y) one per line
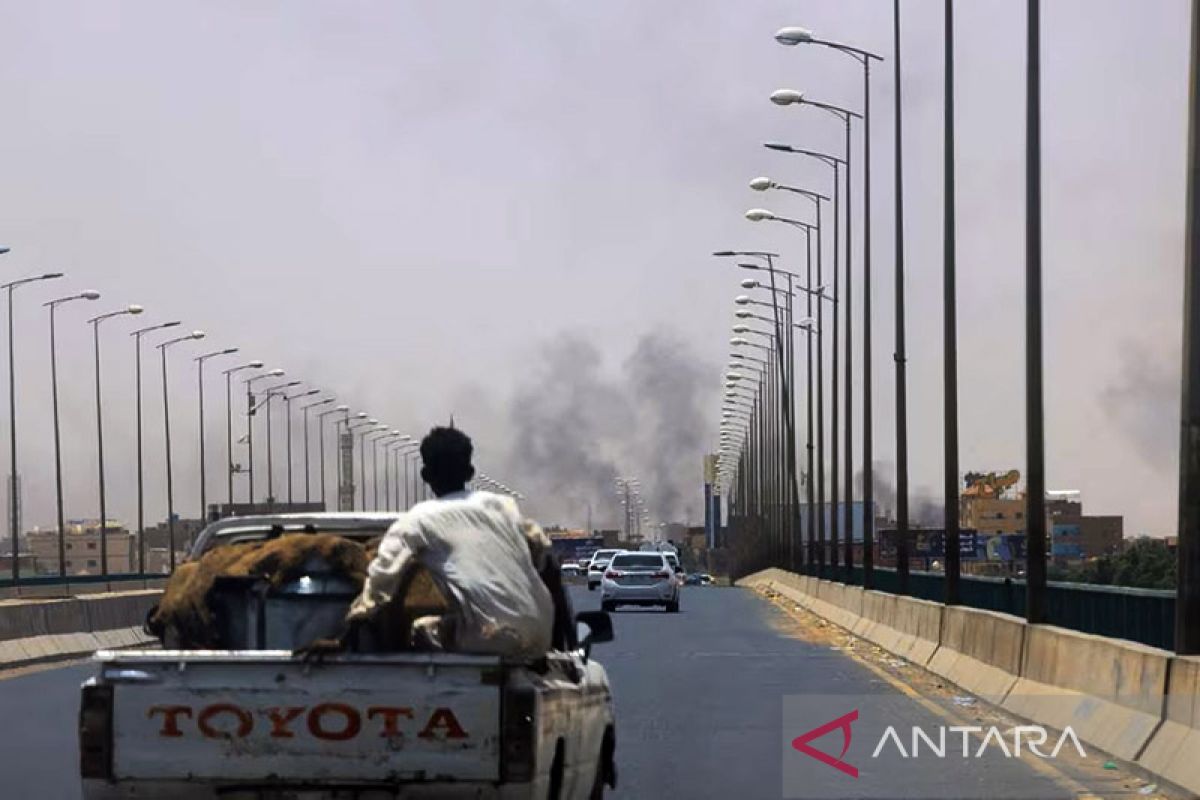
(95,732)
(518,734)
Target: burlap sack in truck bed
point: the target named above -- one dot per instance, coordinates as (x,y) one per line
(185,616)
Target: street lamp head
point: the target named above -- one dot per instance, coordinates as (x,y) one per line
(742,300)
(743,314)
(733,376)
(134,309)
(741,328)
(255,365)
(724,253)
(738,341)
(779,146)
(762,184)
(759,215)
(196,335)
(793,35)
(786,97)
(275,373)
(51,276)
(342,408)
(750,283)
(361,415)
(373,421)
(229,351)
(90,294)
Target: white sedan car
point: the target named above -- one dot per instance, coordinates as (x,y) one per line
(641,579)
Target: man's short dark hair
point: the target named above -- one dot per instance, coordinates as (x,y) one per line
(446,458)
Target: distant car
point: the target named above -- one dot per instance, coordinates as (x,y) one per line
(597,565)
(673,560)
(695,579)
(706,579)
(571,569)
(643,579)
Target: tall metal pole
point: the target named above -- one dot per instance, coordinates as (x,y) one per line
(270,452)
(14,494)
(141,484)
(1035,453)
(250,443)
(900,354)
(820,350)
(1187,598)
(813,561)
(287,412)
(229,434)
(307,482)
(848,511)
(203,482)
(834,496)
(868,471)
(950,327)
(58,479)
(170,484)
(100,454)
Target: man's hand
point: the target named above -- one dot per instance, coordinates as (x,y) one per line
(316,651)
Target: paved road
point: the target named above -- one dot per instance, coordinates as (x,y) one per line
(700,698)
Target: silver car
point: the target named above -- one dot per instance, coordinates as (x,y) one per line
(642,579)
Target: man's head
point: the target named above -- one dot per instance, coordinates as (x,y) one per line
(446,460)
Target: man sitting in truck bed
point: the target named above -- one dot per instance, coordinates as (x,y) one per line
(480,553)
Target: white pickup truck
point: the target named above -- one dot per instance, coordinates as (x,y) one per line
(260,723)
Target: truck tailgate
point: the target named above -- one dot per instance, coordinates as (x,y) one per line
(263,717)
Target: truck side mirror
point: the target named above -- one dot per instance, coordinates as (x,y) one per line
(599,629)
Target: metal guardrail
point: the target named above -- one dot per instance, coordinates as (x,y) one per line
(1146,616)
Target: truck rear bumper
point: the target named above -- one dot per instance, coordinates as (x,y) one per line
(186,790)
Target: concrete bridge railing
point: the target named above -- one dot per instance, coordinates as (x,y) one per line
(50,629)
(1132,701)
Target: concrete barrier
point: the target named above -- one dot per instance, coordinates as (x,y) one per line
(1174,750)
(979,651)
(41,630)
(1109,691)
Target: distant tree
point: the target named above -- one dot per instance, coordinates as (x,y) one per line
(1145,564)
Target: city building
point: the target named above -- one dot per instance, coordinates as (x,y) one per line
(81,547)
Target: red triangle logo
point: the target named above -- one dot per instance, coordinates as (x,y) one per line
(801,743)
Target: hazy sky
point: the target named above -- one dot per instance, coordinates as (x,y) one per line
(423,206)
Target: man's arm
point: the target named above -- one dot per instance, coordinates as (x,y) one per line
(541,551)
(400,546)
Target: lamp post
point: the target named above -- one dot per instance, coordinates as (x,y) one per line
(137,375)
(200,396)
(372,428)
(270,394)
(304,413)
(321,439)
(793,36)
(230,468)
(376,438)
(14,493)
(404,450)
(761,215)
(361,424)
(1187,596)
(950,327)
(132,310)
(287,405)
(162,350)
(251,408)
(847,461)
(58,479)
(1035,428)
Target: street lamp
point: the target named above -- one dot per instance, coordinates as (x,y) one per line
(321,438)
(14,494)
(230,468)
(132,310)
(287,405)
(376,437)
(58,479)
(304,412)
(793,36)
(141,505)
(268,395)
(250,411)
(200,391)
(162,350)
